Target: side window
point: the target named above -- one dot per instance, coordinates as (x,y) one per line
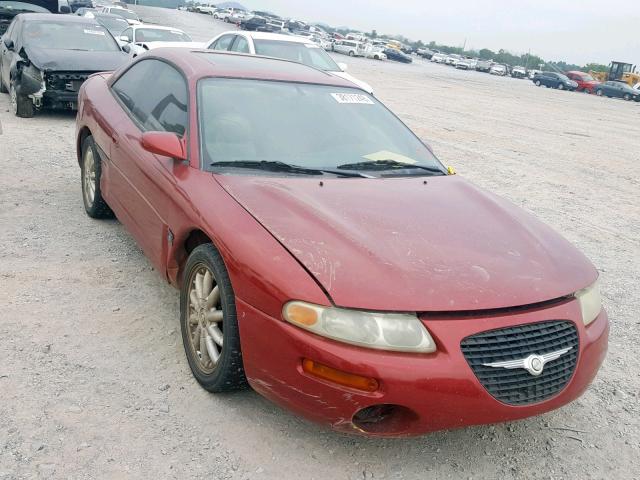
(240,45)
(156,96)
(223,43)
(129,34)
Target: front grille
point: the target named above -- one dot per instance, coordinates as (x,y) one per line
(518,386)
(66,81)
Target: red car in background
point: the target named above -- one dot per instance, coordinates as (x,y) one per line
(586,83)
(339,271)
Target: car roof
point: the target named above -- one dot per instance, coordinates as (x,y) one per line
(200,63)
(273,36)
(150,26)
(56,17)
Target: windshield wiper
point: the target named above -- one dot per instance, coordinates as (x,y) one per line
(387,165)
(277,166)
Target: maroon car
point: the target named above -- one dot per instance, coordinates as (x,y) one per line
(586,83)
(323,254)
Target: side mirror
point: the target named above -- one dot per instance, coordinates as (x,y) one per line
(167,144)
(123,38)
(343,66)
(126,48)
(8,43)
(65,9)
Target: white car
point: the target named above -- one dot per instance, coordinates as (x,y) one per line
(349,47)
(207,8)
(138,39)
(129,15)
(438,58)
(377,53)
(228,13)
(498,69)
(287,47)
(465,64)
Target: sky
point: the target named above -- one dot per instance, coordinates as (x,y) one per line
(576,31)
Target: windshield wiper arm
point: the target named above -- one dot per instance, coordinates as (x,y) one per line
(387,165)
(277,166)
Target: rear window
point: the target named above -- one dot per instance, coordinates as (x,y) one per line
(160,35)
(307,54)
(14,8)
(61,35)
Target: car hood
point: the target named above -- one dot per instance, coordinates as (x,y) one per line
(400,244)
(75,60)
(363,85)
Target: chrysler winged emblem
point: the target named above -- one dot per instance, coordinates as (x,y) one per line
(534,364)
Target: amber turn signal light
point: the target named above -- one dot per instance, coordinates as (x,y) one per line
(350,380)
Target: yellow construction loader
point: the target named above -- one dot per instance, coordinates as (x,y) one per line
(618,71)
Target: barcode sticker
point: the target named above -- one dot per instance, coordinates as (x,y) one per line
(352,98)
(94,32)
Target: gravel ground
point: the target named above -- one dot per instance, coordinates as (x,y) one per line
(93,379)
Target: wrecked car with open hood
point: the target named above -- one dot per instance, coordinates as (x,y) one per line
(45,58)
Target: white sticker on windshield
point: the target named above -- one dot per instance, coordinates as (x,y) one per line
(352,98)
(94,32)
(311,45)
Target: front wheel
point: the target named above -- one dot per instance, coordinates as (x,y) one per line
(599,93)
(91,172)
(560,86)
(627,97)
(351,54)
(538,83)
(209,324)
(21,105)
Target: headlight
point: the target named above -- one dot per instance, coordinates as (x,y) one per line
(385,331)
(590,302)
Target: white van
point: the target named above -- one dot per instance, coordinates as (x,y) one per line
(349,47)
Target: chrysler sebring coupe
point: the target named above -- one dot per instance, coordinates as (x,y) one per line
(325,257)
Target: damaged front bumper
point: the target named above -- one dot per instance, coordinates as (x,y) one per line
(56,90)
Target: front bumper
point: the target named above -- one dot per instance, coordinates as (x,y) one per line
(440,389)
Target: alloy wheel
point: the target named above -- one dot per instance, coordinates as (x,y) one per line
(89,176)
(205,319)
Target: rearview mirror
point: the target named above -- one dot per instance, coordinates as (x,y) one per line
(8,43)
(167,144)
(343,66)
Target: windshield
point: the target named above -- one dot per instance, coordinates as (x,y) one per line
(157,35)
(63,35)
(587,78)
(115,25)
(15,8)
(308,54)
(121,12)
(312,126)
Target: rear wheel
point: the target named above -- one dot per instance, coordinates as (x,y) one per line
(91,171)
(21,105)
(538,83)
(561,86)
(351,54)
(208,322)
(599,93)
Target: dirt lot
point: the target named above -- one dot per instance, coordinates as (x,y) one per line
(93,379)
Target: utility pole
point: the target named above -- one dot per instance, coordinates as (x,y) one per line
(464,45)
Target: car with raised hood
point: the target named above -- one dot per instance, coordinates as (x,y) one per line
(342,271)
(115,24)
(137,39)
(586,83)
(287,47)
(498,69)
(45,58)
(618,89)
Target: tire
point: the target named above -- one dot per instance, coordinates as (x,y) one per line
(351,54)
(226,20)
(21,106)
(90,174)
(599,93)
(3,89)
(560,86)
(538,83)
(227,372)
(627,97)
